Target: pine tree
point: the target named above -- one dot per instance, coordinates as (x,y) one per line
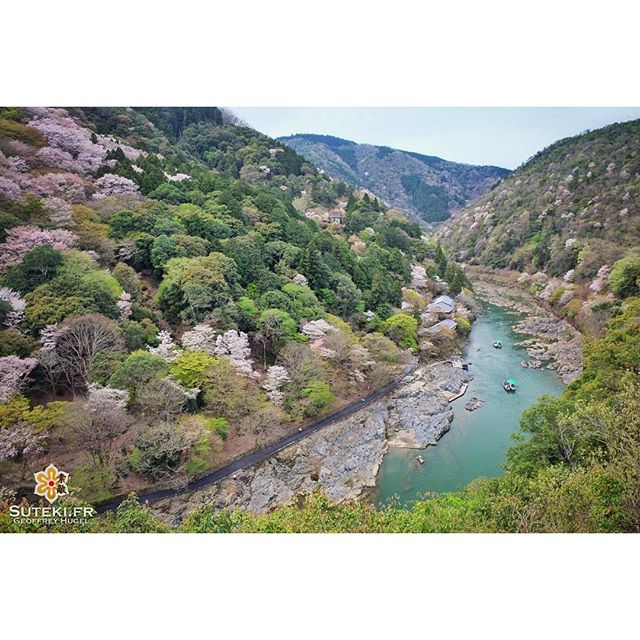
(351,202)
(441,260)
(455,286)
(313,268)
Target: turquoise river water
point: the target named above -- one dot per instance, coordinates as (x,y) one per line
(476,443)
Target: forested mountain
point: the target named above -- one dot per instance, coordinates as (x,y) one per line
(570,210)
(427,186)
(173,292)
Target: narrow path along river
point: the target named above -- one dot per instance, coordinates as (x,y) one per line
(476,443)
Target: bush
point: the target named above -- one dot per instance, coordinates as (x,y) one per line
(14,343)
(317,396)
(158,451)
(403,330)
(624,278)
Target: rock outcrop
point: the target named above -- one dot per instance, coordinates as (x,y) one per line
(420,413)
(554,341)
(341,460)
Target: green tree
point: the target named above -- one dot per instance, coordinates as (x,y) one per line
(624,278)
(138,368)
(275,327)
(403,330)
(192,368)
(38,266)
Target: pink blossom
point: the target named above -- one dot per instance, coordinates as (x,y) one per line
(61,213)
(13,374)
(124,305)
(18,305)
(277,377)
(234,346)
(20,240)
(113,185)
(167,348)
(201,338)
(9,189)
(20,440)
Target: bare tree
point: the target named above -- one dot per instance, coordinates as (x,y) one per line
(95,424)
(163,399)
(81,342)
(301,364)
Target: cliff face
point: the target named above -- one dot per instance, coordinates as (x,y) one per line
(428,187)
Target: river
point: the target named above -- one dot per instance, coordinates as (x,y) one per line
(476,443)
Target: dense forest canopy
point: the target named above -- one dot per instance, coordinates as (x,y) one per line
(176,287)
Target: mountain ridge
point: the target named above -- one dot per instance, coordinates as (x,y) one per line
(429,188)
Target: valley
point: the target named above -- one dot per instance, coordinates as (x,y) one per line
(196,315)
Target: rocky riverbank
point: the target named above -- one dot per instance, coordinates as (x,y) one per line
(341,461)
(555,342)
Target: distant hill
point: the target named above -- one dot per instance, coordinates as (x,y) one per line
(428,187)
(573,207)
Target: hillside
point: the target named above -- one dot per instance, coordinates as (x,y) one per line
(570,210)
(176,290)
(428,187)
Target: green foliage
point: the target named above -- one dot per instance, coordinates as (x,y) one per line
(128,278)
(403,330)
(138,368)
(38,266)
(276,327)
(18,410)
(80,287)
(130,517)
(192,287)
(14,343)
(624,278)
(317,396)
(192,368)
(431,201)
(12,130)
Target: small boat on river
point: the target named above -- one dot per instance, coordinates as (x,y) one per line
(509,385)
(497,344)
(420,459)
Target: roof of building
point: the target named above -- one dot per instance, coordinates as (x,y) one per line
(443,304)
(443,324)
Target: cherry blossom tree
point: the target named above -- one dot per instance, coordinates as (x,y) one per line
(201,338)
(19,440)
(167,348)
(9,189)
(113,185)
(69,186)
(234,346)
(60,212)
(300,279)
(13,375)
(18,306)
(419,278)
(20,240)
(49,337)
(277,377)
(64,133)
(96,423)
(124,305)
(317,329)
